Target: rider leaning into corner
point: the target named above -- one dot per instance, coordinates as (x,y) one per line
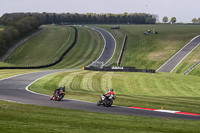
(108,94)
(57,91)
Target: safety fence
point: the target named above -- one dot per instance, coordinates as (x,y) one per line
(120,69)
(190,69)
(122,51)
(51,64)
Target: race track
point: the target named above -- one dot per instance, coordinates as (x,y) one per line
(171,64)
(109,48)
(15,89)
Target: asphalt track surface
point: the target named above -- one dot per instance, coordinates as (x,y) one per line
(15,89)
(171,64)
(109,48)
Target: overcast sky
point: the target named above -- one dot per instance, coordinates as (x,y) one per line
(183,10)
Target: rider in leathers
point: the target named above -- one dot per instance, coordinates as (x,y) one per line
(57,91)
(108,94)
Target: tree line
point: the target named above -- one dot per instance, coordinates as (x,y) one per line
(172,20)
(196,20)
(71,18)
(18,24)
(15,27)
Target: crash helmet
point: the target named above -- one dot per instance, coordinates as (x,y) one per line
(62,88)
(111,89)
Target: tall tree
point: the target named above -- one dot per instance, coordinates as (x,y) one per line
(165,19)
(194,20)
(173,20)
(198,20)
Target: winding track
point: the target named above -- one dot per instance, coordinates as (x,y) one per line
(109,48)
(171,64)
(14,89)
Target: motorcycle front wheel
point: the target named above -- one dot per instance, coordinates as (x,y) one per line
(108,103)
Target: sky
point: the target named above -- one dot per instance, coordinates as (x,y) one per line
(183,10)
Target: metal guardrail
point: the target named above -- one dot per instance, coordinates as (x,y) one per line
(190,69)
(122,51)
(119,69)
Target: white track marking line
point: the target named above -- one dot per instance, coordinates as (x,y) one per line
(166,111)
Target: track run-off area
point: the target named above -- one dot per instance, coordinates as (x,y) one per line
(16,89)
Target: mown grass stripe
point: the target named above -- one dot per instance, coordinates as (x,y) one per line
(77,80)
(38,49)
(97,82)
(88,80)
(86,50)
(106,81)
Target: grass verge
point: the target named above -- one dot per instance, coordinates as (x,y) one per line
(6,73)
(171,91)
(15,117)
(188,62)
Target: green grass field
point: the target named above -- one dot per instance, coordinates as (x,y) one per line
(171,91)
(43,48)
(6,73)
(88,48)
(142,51)
(18,118)
(151,51)
(47,47)
(188,62)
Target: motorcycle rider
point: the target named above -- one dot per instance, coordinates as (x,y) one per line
(108,94)
(57,91)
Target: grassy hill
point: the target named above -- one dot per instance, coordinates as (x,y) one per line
(151,51)
(43,48)
(142,51)
(88,48)
(47,47)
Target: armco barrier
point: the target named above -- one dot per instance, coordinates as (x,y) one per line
(122,51)
(120,69)
(52,64)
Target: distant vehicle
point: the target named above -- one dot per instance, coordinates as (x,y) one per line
(116,27)
(148,32)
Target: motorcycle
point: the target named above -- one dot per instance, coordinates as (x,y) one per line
(106,100)
(58,94)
